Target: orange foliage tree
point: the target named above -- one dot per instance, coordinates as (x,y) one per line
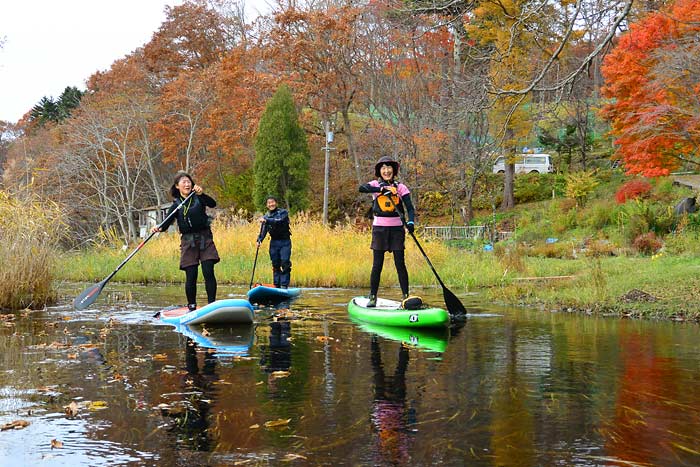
(652,81)
(319,51)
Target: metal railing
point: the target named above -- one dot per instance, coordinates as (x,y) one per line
(458,232)
(454,232)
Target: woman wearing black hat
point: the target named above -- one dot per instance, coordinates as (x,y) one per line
(197,241)
(387,228)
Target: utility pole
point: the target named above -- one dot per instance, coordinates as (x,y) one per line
(327,168)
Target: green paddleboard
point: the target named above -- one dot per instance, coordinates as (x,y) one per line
(433,339)
(390,313)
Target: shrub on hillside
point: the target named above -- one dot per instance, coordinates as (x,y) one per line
(632,190)
(560,250)
(600,247)
(537,187)
(647,243)
(642,216)
(599,215)
(579,186)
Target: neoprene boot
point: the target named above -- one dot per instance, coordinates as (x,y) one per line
(191,306)
(372,302)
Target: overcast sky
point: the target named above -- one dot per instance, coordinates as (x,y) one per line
(51,44)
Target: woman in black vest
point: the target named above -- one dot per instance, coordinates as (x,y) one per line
(197,241)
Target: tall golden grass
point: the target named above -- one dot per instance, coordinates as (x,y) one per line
(322,256)
(30,232)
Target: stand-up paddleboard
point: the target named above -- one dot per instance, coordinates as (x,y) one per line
(390,313)
(264,294)
(232,340)
(228,311)
(433,339)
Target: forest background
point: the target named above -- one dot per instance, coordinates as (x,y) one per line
(445,87)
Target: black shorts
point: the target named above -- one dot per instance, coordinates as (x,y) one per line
(195,248)
(388,238)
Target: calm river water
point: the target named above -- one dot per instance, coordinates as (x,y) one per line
(509,387)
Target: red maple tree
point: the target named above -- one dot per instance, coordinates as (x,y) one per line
(652,81)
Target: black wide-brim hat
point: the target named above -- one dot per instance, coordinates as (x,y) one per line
(386,160)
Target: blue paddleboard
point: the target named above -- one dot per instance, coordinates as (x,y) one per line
(263,294)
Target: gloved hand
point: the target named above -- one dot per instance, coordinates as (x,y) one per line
(410,226)
(388,190)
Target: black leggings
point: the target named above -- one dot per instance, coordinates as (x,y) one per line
(209,281)
(378,263)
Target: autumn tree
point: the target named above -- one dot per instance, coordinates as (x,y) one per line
(652,79)
(192,37)
(281,154)
(319,50)
(184,105)
(522,45)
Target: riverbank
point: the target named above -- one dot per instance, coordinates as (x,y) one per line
(660,287)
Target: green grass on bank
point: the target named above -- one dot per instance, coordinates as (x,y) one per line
(340,257)
(321,257)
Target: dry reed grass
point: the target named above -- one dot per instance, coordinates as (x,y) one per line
(30,232)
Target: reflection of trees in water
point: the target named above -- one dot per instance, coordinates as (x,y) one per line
(390,415)
(192,422)
(645,428)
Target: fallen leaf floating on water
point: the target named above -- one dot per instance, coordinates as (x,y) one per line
(324,338)
(254,427)
(16,425)
(56,444)
(292,457)
(279,374)
(97,405)
(160,356)
(205,333)
(279,422)
(71,409)
(72,356)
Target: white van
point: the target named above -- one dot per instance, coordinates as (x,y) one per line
(526,164)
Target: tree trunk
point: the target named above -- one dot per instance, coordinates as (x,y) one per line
(509,186)
(351,145)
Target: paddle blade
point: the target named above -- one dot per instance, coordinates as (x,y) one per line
(88,296)
(454,306)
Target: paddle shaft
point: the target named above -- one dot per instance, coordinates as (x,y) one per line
(89,296)
(403,221)
(143,242)
(255,262)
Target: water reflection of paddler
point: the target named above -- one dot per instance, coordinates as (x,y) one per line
(277,355)
(194,422)
(390,416)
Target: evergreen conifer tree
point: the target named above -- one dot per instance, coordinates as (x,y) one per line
(281,155)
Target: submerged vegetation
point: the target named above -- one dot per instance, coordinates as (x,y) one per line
(30,233)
